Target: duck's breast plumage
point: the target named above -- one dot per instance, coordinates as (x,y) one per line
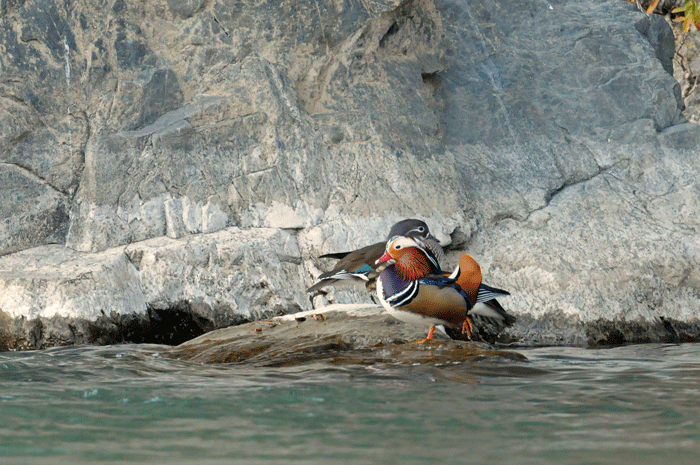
(420,302)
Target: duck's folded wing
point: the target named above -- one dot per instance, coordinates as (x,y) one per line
(353,267)
(487,293)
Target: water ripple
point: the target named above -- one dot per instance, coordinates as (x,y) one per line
(128,404)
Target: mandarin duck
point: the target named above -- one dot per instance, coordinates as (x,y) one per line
(360,267)
(413,289)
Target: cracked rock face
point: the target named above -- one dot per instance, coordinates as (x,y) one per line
(175,167)
(686,70)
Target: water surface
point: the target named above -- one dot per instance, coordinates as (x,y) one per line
(130,405)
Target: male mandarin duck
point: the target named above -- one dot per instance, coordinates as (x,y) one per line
(413,289)
(360,267)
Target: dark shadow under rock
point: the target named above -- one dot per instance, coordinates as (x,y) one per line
(618,332)
(171,326)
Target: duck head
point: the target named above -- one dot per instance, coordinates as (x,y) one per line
(410,257)
(419,230)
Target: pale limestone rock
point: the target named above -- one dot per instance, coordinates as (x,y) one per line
(222,146)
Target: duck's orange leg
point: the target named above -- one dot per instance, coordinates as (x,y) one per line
(429,338)
(467,327)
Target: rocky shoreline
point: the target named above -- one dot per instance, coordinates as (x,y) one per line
(176,168)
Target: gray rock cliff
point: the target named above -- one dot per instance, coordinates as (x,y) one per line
(173,167)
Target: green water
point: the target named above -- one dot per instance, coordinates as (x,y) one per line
(128,405)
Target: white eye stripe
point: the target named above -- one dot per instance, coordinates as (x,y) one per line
(419,229)
(401,242)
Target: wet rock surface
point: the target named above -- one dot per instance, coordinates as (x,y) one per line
(343,335)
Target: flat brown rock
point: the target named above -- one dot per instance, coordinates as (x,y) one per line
(341,334)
